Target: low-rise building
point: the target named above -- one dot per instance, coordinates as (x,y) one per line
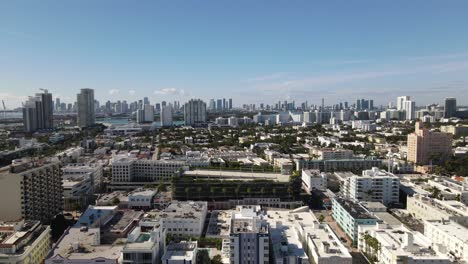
(141,199)
(449,238)
(24,242)
(349,216)
(425,208)
(393,245)
(314,180)
(184,252)
(182,218)
(145,244)
(285,165)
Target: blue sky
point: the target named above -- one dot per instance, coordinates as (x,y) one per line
(253,51)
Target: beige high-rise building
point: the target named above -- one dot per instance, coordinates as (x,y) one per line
(31,190)
(426,146)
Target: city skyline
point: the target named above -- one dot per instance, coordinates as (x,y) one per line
(178,51)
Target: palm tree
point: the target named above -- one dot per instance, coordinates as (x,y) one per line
(224,190)
(212,191)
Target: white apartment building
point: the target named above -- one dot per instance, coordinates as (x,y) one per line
(451,189)
(314,180)
(426,208)
(130,171)
(449,238)
(332,154)
(145,244)
(184,252)
(305,239)
(249,236)
(183,218)
(398,245)
(374,186)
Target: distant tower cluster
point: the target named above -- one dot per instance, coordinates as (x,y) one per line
(38,112)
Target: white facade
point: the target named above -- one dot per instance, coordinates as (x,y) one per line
(138,170)
(145,244)
(141,199)
(426,208)
(183,218)
(166,116)
(448,238)
(398,245)
(307,240)
(181,253)
(374,186)
(314,180)
(249,236)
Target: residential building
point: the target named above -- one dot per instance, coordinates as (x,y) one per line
(451,189)
(195,112)
(425,208)
(24,242)
(449,238)
(34,190)
(398,244)
(166,116)
(182,218)
(145,244)
(400,102)
(184,252)
(249,236)
(130,172)
(38,112)
(297,237)
(374,186)
(314,180)
(350,215)
(425,146)
(86,110)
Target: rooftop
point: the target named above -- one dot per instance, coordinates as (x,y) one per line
(177,209)
(356,210)
(180,251)
(81,243)
(236,175)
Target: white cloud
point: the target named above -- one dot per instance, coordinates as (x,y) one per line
(169,91)
(131,92)
(114,91)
